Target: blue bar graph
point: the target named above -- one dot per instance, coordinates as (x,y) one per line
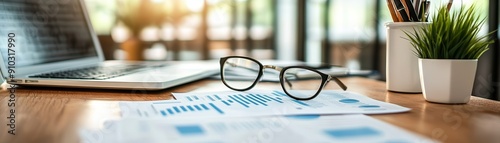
(257,97)
(216,108)
(177,109)
(226,103)
(280,93)
(204,106)
(183,108)
(169,111)
(267,99)
(211,103)
(197,107)
(252,97)
(229,103)
(276,94)
(237,97)
(190,108)
(230,96)
(217,96)
(245,100)
(209,97)
(248,99)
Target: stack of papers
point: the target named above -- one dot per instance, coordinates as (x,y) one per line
(257,103)
(270,129)
(254,116)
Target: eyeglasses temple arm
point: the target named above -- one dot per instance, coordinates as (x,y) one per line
(273,67)
(236,65)
(342,85)
(265,66)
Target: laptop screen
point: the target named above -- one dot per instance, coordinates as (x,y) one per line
(44,31)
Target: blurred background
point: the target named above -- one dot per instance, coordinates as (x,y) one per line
(348,33)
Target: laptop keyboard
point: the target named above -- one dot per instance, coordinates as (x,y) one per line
(96,72)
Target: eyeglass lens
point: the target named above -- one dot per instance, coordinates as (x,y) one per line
(301,83)
(234,70)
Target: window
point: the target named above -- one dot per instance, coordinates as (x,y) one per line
(350,33)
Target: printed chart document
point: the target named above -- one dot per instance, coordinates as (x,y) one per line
(276,129)
(257,103)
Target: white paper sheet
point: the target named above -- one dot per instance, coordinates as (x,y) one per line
(277,129)
(257,103)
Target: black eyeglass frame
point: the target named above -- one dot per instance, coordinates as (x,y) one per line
(325,78)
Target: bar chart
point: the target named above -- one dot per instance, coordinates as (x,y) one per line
(210,104)
(341,128)
(244,100)
(265,103)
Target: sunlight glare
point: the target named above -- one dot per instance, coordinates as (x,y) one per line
(194,5)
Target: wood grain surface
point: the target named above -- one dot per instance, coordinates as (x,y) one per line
(55,115)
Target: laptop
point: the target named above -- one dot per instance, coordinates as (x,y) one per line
(52,43)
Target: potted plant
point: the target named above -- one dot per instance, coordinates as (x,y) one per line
(448,49)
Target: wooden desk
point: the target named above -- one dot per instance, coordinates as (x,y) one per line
(52,115)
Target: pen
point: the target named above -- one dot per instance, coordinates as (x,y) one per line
(416,4)
(391,10)
(400,8)
(422,10)
(398,15)
(426,13)
(410,10)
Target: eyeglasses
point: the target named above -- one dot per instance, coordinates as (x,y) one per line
(292,78)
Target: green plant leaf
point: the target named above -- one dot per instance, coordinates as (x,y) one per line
(452,35)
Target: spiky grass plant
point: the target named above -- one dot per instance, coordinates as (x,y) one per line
(452,35)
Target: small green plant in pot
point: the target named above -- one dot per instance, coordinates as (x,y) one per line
(448,49)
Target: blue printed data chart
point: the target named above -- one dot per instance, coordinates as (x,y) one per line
(340,101)
(236,104)
(259,103)
(173,109)
(236,99)
(341,128)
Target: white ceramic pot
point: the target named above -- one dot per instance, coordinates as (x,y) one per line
(401,62)
(447,80)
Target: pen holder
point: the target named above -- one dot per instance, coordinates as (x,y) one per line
(402,74)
